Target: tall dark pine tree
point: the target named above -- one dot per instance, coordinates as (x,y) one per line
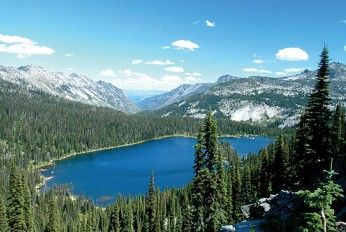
(3,216)
(208,181)
(28,210)
(280,164)
(264,174)
(314,141)
(54,221)
(338,139)
(114,221)
(200,172)
(150,206)
(15,211)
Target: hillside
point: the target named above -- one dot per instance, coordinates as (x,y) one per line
(259,99)
(73,86)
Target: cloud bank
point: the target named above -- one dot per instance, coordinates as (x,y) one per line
(22,47)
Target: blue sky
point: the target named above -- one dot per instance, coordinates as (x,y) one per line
(155,44)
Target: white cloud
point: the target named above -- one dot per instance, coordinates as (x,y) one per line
(137,61)
(258,61)
(127,79)
(343,21)
(166,47)
(70,68)
(293,70)
(107,73)
(196,22)
(22,46)
(255,70)
(185,45)
(175,69)
(68,55)
(209,23)
(160,62)
(195,74)
(281,73)
(345,48)
(292,54)
(250,69)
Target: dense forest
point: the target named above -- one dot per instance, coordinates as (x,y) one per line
(35,128)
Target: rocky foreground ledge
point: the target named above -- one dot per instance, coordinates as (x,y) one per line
(280,207)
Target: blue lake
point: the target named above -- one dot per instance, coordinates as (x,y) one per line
(125,170)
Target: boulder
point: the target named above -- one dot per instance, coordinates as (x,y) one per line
(244,226)
(228,228)
(283,205)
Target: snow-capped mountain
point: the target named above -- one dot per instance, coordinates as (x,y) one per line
(259,99)
(70,86)
(177,94)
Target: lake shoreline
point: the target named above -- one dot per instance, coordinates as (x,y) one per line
(51,162)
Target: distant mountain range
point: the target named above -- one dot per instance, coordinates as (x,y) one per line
(259,99)
(175,95)
(73,86)
(254,99)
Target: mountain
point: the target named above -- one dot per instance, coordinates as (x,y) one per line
(226,78)
(337,71)
(73,86)
(259,99)
(177,94)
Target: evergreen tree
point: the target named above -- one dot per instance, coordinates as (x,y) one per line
(318,115)
(128,218)
(338,139)
(150,206)
(321,217)
(187,215)
(264,174)
(114,222)
(200,173)
(28,210)
(280,165)
(54,220)
(237,193)
(16,217)
(208,183)
(3,216)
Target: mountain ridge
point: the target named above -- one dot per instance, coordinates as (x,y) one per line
(72,86)
(259,99)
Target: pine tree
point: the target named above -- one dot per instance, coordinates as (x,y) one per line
(150,206)
(16,217)
(322,217)
(264,178)
(28,210)
(318,115)
(54,220)
(312,148)
(3,216)
(200,172)
(280,165)
(114,222)
(337,137)
(208,183)
(237,190)
(128,218)
(187,215)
